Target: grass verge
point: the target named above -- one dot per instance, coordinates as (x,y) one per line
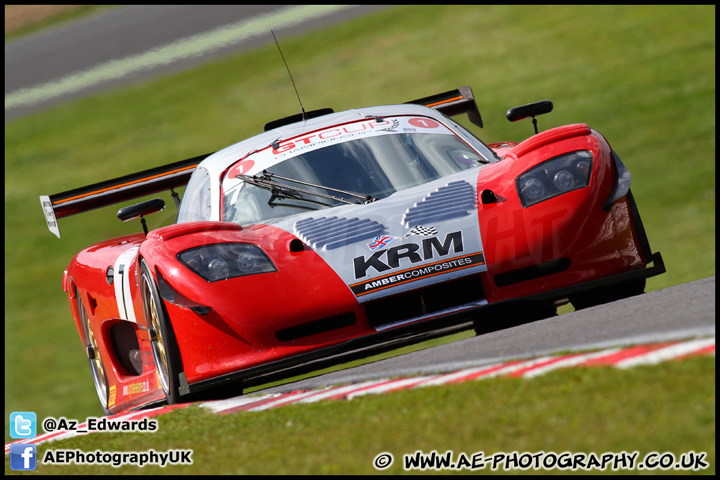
(663,408)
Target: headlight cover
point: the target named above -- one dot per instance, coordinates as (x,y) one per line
(561,174)
(221,261)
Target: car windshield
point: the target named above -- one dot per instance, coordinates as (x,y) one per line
(375,166)
(357,162)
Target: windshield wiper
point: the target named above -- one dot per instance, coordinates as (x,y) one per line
(266,181)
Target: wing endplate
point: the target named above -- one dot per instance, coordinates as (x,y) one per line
(454,102)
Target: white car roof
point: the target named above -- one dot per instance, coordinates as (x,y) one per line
(222,159)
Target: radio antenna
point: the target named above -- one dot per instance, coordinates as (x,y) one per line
(291,77)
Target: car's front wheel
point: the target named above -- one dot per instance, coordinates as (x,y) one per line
(607,294)
(162,337)
(496,318)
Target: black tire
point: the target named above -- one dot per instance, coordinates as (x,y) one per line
(608,294)
(162,337)
(506,316)
(97,368)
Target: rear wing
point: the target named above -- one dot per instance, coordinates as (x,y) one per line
(454,102)
(117,190)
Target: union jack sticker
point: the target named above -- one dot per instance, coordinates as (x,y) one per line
(380,241)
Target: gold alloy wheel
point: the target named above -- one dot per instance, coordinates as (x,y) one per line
(156,336)
(93,353)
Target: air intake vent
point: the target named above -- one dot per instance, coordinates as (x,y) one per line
(454,200)
(334,232)
(318,326)
(127,348)
(423,301)
(530,273)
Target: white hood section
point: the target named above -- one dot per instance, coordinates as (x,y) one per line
(410,239)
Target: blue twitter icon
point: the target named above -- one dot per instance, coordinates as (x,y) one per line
(23,425)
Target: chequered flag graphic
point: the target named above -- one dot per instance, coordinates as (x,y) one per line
(420,230)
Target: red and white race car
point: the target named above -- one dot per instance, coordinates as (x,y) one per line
(333,235)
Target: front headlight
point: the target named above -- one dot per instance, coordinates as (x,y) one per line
(221,261)
(554,177)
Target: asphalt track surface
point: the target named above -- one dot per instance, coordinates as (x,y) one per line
(131,44)
(683,311)
(674,313)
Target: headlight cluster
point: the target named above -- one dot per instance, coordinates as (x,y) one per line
(221,261)
(554,177)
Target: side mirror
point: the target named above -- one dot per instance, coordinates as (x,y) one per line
(141,209)
(530,110)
